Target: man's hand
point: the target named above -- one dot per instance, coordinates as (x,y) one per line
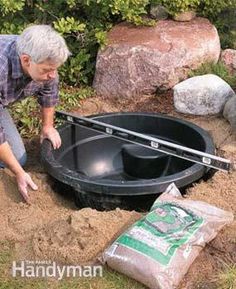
(22,178)
(52,134)
(24,181)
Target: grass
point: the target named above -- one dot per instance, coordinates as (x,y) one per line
(109,280)
(227,278)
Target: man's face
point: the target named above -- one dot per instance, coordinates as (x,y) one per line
(39,72)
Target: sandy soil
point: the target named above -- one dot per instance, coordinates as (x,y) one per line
(51,228)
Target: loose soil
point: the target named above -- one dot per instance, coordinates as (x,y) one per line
(51,228)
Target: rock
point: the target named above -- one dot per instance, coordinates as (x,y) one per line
(202,95)
(185,16)
(140,60)
(158,12)
(230,112)
(228,57)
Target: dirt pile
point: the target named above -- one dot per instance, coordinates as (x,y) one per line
(51,228)
(82,237)
(18,219)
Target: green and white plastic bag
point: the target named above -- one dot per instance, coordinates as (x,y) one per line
(159,248)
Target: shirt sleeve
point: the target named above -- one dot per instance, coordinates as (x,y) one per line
(2,135)
(3,79)
(48,95)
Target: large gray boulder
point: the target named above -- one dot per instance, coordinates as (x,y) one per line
(230,112)
(202,95)
(139,60)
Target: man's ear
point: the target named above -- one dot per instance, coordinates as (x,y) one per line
(25,60)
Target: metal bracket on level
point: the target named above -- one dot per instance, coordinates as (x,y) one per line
(153,143)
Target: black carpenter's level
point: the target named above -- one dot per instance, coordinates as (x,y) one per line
(153,143)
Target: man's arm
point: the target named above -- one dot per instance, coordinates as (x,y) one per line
(48,130)
(48,116)
(6,155)
(23,179)
(48,98)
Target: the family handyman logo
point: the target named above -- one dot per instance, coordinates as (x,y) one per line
(48,269)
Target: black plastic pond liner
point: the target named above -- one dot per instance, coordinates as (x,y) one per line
(105,172)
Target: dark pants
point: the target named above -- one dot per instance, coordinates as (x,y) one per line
(13,137)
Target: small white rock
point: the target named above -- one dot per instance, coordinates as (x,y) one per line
(202,95)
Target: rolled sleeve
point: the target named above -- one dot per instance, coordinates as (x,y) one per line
(48,95)
(3,83)
(2,136)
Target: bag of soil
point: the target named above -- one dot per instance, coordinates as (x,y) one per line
(159,248)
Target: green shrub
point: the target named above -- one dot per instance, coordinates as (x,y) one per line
(215,68)
(212,8)
(26,113)
(226,26)
(207,8)
(176,6)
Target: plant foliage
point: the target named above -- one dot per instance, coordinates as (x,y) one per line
(218,69)
(207,8)
(26,113)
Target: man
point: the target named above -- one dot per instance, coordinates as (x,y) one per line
(28,66)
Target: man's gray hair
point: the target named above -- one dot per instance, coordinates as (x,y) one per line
(42,43)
